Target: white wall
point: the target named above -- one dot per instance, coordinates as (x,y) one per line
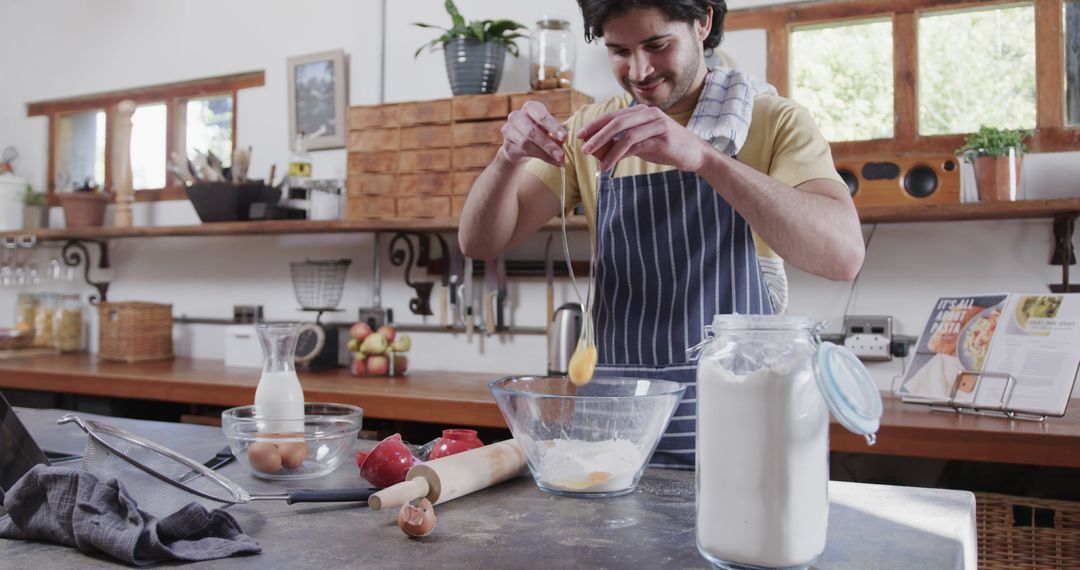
(90,46)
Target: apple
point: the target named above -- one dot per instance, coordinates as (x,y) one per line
(401,364)
(388,331)
(402,344)
(353,345)
(360,331)
(375,343)
(378,365)
(358,367)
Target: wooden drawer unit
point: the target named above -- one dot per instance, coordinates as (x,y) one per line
(423,206)
(361,184)
(463,181)
(424,183)
(426,136)
(417,160)
(421,112)
(557,101)
(365,207)
(373,116)
(477,156)
(368,140)
(361,162)
(480,132)
(479,107)
(457,204)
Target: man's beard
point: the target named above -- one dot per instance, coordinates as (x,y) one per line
(682,85)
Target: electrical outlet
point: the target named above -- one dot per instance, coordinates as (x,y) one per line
(247,314)
(869,336)
(375,317)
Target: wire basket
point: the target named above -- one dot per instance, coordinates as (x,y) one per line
(318,284)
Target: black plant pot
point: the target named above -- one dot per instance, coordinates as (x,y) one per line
(474,67)
(227,202)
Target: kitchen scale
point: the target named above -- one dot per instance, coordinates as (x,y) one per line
(318,286)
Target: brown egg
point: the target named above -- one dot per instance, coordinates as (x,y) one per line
(264,457)
(292,453)
(418,520)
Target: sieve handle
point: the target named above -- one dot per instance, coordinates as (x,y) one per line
(328,495)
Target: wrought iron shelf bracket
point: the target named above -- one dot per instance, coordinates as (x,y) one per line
(75,253)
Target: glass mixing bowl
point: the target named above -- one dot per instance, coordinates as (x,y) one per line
(586,441)
(329,433)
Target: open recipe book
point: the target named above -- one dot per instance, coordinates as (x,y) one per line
(972,345)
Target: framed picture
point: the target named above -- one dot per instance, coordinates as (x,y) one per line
(317,96)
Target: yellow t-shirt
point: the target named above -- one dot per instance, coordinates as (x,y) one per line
(783,142)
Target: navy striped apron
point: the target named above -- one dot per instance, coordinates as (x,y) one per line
(671,253)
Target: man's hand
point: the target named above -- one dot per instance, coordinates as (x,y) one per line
(532,132)
(646,132)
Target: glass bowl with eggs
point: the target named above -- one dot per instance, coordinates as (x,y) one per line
(292,449)
(592,440)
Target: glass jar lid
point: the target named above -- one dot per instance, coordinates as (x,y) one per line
(848,389)
(552,24)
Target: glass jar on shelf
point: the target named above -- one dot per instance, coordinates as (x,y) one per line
(68,324)
(552,54)
(25,311)
(44,319)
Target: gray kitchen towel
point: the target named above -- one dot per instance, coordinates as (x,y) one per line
(75,508)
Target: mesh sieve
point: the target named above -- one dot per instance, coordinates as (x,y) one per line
(162,481)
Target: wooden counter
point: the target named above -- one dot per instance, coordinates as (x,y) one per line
(463,398)
(437,397)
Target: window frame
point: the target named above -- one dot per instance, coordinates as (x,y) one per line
(172,94)
(1051,133)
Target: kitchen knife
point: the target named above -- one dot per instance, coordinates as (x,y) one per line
(447,478)
(467,296)
(500,301)
(444,291)
(455,286)
(549,277)
(491,294)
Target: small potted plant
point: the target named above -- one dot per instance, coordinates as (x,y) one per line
(35,209)
(84,206)
(996,155)
(474,50)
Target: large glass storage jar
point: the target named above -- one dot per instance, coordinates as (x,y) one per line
(765,387)
(68,324)
(552,51)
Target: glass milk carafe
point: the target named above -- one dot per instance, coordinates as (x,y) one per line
(279,399)
(765,387)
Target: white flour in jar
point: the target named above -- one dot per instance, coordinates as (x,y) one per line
(589,466)
(762,464)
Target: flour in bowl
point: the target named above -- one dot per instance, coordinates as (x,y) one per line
(590,466)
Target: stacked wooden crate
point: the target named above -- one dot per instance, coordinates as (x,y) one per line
(419,159)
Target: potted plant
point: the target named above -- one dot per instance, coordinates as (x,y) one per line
(474,50)
(35,209)
(996,155)
(84,206)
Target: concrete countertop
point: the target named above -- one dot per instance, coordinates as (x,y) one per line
(515,525)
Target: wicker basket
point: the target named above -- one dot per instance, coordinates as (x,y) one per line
(135,331)
(1020,532)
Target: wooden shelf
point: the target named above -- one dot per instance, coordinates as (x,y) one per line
(972,211)
(272,227)
(1021,209)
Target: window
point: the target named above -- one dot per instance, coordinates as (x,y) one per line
(848,92)
(954,65)
(1072,62)
(174,118)
(208,127)
(80,148)
(977,67)
(148,146)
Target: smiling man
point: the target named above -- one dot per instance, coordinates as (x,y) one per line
(707,181)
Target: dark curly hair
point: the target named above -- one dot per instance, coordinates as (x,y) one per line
(597,12)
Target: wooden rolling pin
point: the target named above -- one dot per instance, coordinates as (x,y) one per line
(453,476)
